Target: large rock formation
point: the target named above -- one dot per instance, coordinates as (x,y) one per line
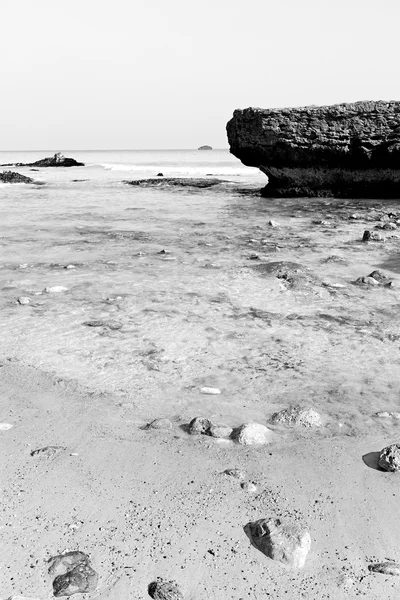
(58,160)
(344,150)
(12,177)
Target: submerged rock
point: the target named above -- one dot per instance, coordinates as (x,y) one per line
(195,182)
(11,177)
(58,160)
(344,150)
(389,458)
(286,543)
(297,415)
(253,433)
(164,590)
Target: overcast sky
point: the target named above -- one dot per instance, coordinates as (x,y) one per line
(97,74)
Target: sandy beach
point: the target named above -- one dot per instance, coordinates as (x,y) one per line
(168,292)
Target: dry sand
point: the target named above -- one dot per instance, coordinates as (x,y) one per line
(156,503)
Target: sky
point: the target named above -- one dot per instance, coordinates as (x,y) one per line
(144,74)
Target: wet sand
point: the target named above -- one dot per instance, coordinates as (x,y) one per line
(206,312)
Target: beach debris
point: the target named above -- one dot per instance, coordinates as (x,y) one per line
(297,415)
(47,451)
(5,426)
(389,458)
(210,390)
(387,415)
(55,289)
(23,300)
(199,425)
(160,424)
(164,590)
(253,433)
(386,568)
(220,431)
(248,487)
(73,574)
(287,543)
(236,473)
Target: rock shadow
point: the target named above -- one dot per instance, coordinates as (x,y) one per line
(372,461)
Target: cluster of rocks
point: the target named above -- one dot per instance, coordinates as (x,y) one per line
(196,182)
(246,435)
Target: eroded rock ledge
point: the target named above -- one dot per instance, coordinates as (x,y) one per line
(344,150)
(58,160)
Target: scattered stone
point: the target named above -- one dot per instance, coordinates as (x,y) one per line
(248,487)
(236,473)
(389,458)
(386,568)
(379,276)
(55,289)
(5,426)
(160,424)
(220,431)
(23,300)
(297,415)
(199,425)
(253,433)
(47,451)
(164,590)
(286,543)
(388,415)
(210,390)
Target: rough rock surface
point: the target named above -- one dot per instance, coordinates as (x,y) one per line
(344,150)
(11,177)
(253,433)
(73,574)
(196,182)
(220,431)
(297,415)
(286,543)
(386,568)
(199,425)
(160,424)
(164,590)
(389,458)
(58,160)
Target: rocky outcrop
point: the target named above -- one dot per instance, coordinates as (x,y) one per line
(344,150)
(58,160)
(184,182)
(12,177)
(204,148)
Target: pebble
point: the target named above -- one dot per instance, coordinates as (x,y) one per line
(389,458)
(248,487)
(273,224)
(386,568)
(220,431)
(236,473)
(160,424)
(253,433)
(210,390)
(164,590)
(23,300)
(286,543)
(199,425)
(55,289)
(5,426)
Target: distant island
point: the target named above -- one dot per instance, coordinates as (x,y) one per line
(205,148)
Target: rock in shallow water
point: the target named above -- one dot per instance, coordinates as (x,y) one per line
(389,458)
(286,543)
(253,433)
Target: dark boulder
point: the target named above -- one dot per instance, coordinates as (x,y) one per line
(58,160)
(344,150)
(11,177)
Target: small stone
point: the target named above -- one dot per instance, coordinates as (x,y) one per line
(367,281)
(248,487)
(388,415)
(47,451)
(253,433)
(164,590)
(379,276)
(55,289)
(220,431)
(62,563)
(236,473)
(210,390)
(199,425)
(253,257)
(366,236)
(23,300)
(297,415)
(80,580)
(273,224)
(5,426)
(389,458)
(286,543)
(160,424)
(70,267)
(386,568)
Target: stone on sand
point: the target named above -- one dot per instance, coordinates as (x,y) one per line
(253,433)
(210,390)
(55,289)
(199,425)
(248,487)
(287,543)
(164,590)
(386,568)
(220,431)
(47,451)
(160,424)
(389,458)
(236,473)
(23,300)
(73,574)
(297,415)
